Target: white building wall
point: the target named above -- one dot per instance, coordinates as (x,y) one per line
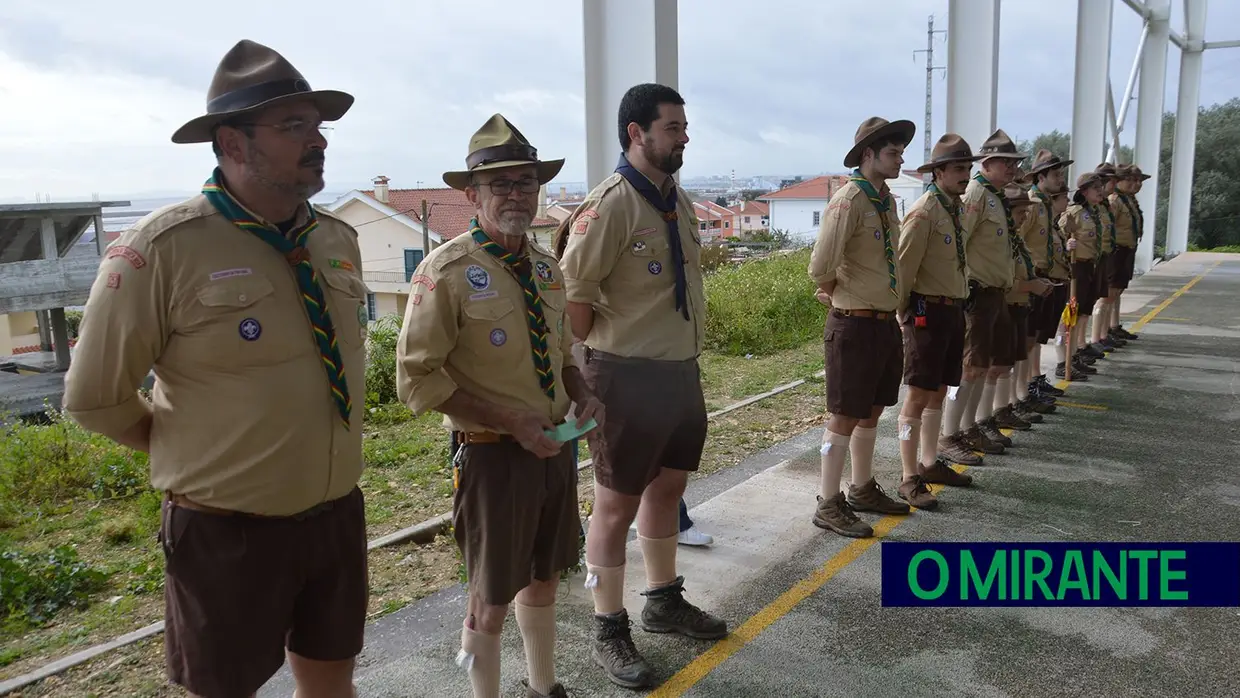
(796,217)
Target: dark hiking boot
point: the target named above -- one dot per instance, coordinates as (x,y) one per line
(557,691)
(1077,374)
(1038,406)
(1005,419)
(871,497)
(1083,366)
(1045,387)
(835,514)
(942,473)
(1124,334)
(1025,413)
(667,611)
(990,429)
(615,652)
(915,492)
(954,450)
(978,440)
(1096,351)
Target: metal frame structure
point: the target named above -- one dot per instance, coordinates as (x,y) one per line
(632,41)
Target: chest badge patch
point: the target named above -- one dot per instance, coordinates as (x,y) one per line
(249,329)
(639,245)
(947,239)
(498,337)
(477,277)
(544,271)
(655,267)
(1042,232)
(991,203)
(363,317)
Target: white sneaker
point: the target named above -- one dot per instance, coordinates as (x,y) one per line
(695,537)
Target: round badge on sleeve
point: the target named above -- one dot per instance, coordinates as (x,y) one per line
(543,270)
(947,239)
(249,329)
(655,267)
(498,337)
(477,277)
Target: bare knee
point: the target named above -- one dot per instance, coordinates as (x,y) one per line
(322,679)
(916,401)
(973,373)
(842,425)
(997,372)
(486,618)
(613,509)
(667,488)
(540,592)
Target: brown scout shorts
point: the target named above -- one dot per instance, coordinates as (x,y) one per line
(1123,262)
(1086,272)
(1019,350)
(987,329)
(515,517)
(1051,313)
(865,361)
(655,419)
(1100,277)
(934,354)
(239,589)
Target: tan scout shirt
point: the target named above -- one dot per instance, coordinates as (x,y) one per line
(243,414)
(987,248)
(850,251)
(466,327)
(928,260)
(1125,224)
(1106,215)
(1038,233)
(618,259)
(1061,269)
(1020,272)
(1078,223)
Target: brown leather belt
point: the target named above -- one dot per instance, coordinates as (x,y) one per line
(943,300)
(482,437)
(184,502)
(876,314)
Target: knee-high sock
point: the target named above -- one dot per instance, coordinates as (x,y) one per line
(484,668)
(954,408)
(537,625)
(970,408)
(834,452)
(1003,393)
(908,431)
(1035,363)
(1020,386)
(861,448)
(660,557)
(931,423)
(986,401)
(608,588)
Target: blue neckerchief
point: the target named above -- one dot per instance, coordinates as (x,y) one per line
(667,208)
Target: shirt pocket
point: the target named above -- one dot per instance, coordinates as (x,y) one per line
(648,256)
(346,303)
(491,325)
(243,321)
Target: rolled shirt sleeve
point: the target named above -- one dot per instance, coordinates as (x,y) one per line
(426,338)
(838,221)
(596,238)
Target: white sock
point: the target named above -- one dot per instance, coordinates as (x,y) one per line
(1020,387)
(986,405)
(931,422)
(1035,362)
(971,407)
(1061,349)
(834,451)
(954,408)
(908,432)
(861,447)
(1003,392)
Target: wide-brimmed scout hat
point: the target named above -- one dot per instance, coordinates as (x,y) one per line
(252,77)
(496,145)
(876,128)
(1130,172)
(1017,194)
(1085,181)
(1106,171)
(999,145)
(951,148)
(1045,160)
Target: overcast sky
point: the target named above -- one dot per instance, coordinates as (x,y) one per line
(90,92)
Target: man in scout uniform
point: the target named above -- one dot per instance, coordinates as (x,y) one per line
(1061,270)
(249,304)
(485,342)
(932,266)
(1129,228)
(632,268)
(988,325)
(855,268)
(1044,241)
(1083,222)
(1013,403)
(1101,342)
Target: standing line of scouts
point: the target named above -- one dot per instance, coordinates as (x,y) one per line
(248,305)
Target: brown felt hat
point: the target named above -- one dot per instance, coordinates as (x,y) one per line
(1106,171)
(1045,160)
(1017,195)
(1085,181)
(951,148)
(1130,172)
(498,144)
(252,77)
(876,128)
(999,145)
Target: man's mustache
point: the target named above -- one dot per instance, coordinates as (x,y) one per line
(315,158)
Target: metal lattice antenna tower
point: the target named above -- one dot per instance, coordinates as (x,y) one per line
(930,68)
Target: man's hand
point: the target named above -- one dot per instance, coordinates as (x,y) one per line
(1040,286)
(590,408)
(1071,244)
(824,292)
(529,428)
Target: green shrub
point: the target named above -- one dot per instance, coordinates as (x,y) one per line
(34,587)
(381,361)
(74,319)
(714,257)
(762,306)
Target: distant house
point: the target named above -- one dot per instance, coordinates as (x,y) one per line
(389,227)
(714,221)
(750,216)
(798,209)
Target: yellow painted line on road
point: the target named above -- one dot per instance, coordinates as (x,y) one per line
(721,651)
(1082,406)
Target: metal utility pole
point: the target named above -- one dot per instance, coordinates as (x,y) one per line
(426,231)
(930,68)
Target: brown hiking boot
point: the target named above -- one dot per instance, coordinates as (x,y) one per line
(835,514)
(667,611)
(615,652)
(942,473)
(871,497)
(1005,419)
(1024,411)
(990,429)
(557,691)
(1040,406)
(979,440)
(954,449)
(915,492)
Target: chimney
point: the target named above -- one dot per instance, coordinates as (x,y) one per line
(542,202)
(563,193)
(381,189)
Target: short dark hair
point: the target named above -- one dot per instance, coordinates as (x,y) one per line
(640,105)
(247,129)
(877,146)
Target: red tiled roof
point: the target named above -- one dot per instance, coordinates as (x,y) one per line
(713,209)
(750,208)
(818,188)
(449,209)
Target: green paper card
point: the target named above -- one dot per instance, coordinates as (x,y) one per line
(569,431)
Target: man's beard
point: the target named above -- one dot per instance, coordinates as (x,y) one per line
(260,168)
(668,163)
(513,223)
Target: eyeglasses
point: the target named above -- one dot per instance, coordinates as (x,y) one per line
(299,129)
(503,187)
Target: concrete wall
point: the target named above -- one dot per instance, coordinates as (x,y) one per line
(383,240)
(796,217)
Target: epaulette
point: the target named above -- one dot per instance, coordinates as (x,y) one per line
(323,212)
(166,219)
(456,248)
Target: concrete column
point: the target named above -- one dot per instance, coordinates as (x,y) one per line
(1153,84)
(972,69)
(1185,146)
(627,42)
(45,330)
(1089,98)
(100,244)
(60,337)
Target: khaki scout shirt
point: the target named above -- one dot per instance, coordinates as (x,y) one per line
(1038,233)
(1106,215)
(1078,224)
(618,259)
(987,248)
(1125,224)
(1020,273)
(1061,269)
(850,251)
(466,328)
(243,414)
(928,261)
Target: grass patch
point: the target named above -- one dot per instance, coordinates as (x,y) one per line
(762,307)
(1229,249)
